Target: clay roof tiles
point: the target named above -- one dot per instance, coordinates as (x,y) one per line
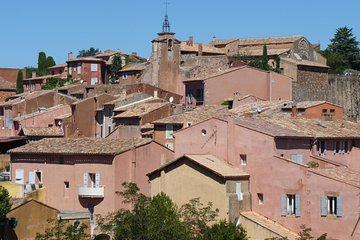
(139,110)
(81,146)
(133,67)
(6,84)
(268,40)
(205,48)
(43,131)
(345,175)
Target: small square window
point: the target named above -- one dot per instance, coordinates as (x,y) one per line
(94,67)
(243,159)
(260,198)
(67,184)
(332,112)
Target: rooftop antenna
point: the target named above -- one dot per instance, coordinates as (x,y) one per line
(166,23)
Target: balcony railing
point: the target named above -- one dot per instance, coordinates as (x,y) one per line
(91,192)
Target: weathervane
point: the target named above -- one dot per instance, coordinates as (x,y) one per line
(166,23)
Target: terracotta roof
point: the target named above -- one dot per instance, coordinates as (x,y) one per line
(303,62)
(58,66)
(88,59)
(133,67)
(197,115)
(212,163)
(345,175)
(139,110)
(259,52)
(218,73)
(308,104)
(268,40)
(270,225)
(6,84)
(43,131)
(184,47)
(107,53)
(222,41)
(301,127)
(46,110)
(68,146)
(42,77)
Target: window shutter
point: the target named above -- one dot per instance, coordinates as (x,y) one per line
(283,205)
(86,175)
(323,206)
(97,180)
(238,191)
(31,177)
(339,211)
(297,205)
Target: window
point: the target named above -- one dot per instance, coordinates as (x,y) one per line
(296,158)
(67,184)
(169,131)
(331,205)
(61,160)
(243,159)
(52,72)
(124,76)
(189,124)
(238,191)
(70,69)
(332,112)
(169,146)
(79,68)
(94,80)
(260,198)
(92,180)
(321,147)
(341,147)
(324,112)
(94,67)
(290,204)
(170,45)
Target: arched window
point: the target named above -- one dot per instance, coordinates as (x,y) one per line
(170,45)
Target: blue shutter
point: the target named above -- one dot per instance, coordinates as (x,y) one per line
(297,205)
(283,205)
(86,180)
(323,206)
(339,210)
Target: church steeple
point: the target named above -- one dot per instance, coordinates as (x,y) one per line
(166,23)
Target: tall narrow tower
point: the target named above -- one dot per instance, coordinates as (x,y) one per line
(166,59)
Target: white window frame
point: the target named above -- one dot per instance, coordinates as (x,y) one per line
(243,159)
(169,132)
(94,67)
(79,68)
(94,80)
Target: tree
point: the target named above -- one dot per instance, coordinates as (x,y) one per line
(53,82)
(305,234)
(345,44)
(87,53)
(335,62)
(19,82)
(225,230)
(42,65)
(265,59)
(5,202)
(115,68)
(50,62)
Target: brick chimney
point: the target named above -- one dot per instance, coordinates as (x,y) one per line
(70,56)
(200,50)
(190,41)
(33,74)
(293,109)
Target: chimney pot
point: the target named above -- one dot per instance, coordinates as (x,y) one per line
(33,74)
(70,56)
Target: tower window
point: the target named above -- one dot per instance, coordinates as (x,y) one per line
(170,45)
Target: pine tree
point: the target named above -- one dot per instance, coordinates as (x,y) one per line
(42,65)
(115,68)
(20,82)
(345,44)
(5,202)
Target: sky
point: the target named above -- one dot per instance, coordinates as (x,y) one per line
(58,27)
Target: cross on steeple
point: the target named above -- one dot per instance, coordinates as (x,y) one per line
(166,23)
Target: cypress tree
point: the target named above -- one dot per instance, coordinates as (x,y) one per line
(265,59)
(50,62)
(42,66)
(19,82)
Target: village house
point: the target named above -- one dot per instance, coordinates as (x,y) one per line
(84,174)
(10,74)
(59,69)
(7,89)
(312,164)
(130,73)
(222,86)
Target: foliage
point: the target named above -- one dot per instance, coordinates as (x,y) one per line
(20,82)
(50,62)
(42,67)
(53,83)
(197,216)
(158,218)
(68,231)
(305,234)
(335,61)
(313,164)
(225,230)
(89,52)
(29,70)
(265,59)
(346,45)
(115,68)
(5,202)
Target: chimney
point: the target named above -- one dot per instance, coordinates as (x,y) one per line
(70,56)
(33,74)
(190,41)
(155,93)
(134,53)
(293,109)
(200,50)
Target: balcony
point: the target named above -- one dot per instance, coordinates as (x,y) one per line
(91,192)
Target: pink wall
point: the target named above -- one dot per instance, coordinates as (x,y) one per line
(280,87)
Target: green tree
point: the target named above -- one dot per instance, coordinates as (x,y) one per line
(265,59)
(335,62)
(305,234)
(19,82)
(89,52)
(225,230)
(42,65)
(53,82)
(5,202)
(115,68)
(50,62)
(345,44)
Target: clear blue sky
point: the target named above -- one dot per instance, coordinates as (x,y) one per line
(58,27)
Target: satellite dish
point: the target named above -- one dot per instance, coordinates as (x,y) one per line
(171,99)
